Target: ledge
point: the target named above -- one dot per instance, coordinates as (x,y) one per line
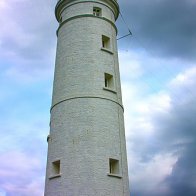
(114,175)
(55,176)
(86,97)
(85,15)
(107,50)
(109,89)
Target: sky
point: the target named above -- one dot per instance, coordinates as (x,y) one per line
(158,77)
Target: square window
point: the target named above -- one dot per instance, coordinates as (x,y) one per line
(97,11)
(105,42)
(109,82)
(56,168)
(114,166)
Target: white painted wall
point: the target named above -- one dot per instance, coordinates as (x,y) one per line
(87,123)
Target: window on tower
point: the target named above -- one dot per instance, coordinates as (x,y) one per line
(109,82)
(55,169)
(105,42)
(97,11)
(114,168)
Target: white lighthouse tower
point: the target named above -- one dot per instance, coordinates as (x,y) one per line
(86,145)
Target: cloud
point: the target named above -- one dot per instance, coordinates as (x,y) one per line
(184,81)
(183,177)
(131,68)
(27,50)
(27,41)
(163,28)
(147,177)
(182,180)
(21,174)
(162,141)
(25,36)
(24,128)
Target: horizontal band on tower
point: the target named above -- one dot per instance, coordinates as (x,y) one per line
(87,15)
(90,97)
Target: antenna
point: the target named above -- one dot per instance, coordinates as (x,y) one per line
(130,33)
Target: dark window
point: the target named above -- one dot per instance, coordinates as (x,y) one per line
(105,42)
(114,166)
(97,11)
(109,82)
(56,168)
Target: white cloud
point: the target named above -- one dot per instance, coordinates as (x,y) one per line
(2,192)
(27,49)
(3,4)
(27,75)
(147,176)
(148,120)
(130,67)
(21,174)
(184,79)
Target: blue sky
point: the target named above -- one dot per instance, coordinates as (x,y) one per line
(158,74)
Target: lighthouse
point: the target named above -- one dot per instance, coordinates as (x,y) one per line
(86,144)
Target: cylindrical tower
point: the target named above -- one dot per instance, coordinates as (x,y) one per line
(86,145)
